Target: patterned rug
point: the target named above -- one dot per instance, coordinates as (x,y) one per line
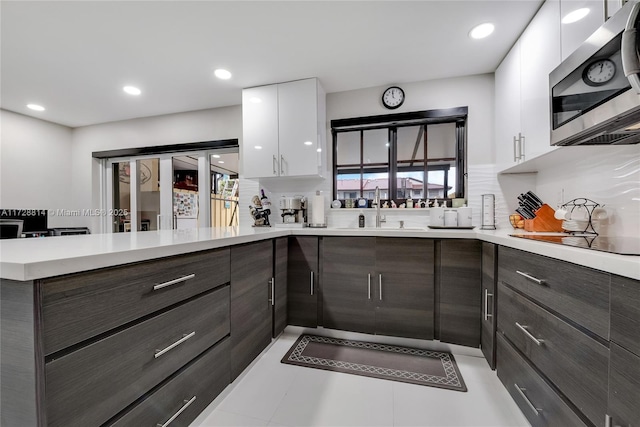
(410,365)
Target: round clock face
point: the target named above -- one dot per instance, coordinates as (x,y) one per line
(599,72)
(393,97)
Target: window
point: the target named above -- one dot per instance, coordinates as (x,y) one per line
(410,155)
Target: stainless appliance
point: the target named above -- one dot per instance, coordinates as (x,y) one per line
(293,210)
(595,92)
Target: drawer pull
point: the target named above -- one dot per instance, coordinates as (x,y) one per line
(272,282)
(181,410)
(175,344)
(533,279)
(369,286)
(173,282)
(525,329)
(312,282)
(526,399)
(380,285)
(486,304)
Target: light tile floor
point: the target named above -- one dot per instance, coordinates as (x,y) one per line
(270,393)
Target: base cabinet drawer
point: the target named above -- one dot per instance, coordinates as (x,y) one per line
(575,363)
(180,400)
(624,388)
(92,384)
(542,406)
(80,306)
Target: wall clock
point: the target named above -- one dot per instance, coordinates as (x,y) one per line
(599,72)
(393,97)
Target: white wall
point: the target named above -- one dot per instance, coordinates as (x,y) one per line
(35,166)
(193,126)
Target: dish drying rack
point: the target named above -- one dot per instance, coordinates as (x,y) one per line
(589,206)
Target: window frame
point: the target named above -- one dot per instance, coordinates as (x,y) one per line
(392,122)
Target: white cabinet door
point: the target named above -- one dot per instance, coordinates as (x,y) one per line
(574,34)
(539,55)
(507,107)
(298,127)
(260,155)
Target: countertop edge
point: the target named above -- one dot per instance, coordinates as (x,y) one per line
(623,265)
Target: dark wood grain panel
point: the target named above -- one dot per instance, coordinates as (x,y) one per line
(460,291)
(347,262)
(90,385)
(578,293)
(281,302)
(514,371)
(19,342)
(576,363)
(625,313)
(624,387)
(489,275)
(251,271)
(405,307)
(203,378)
(303,260)
(83,305)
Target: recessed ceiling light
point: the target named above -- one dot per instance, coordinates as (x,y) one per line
(220,161)
(132,90)
(222,74)
(319,150)
(35,107)
(575,16)
(308,143)
(215,156)
(258,147)
(255,100)
(481,31)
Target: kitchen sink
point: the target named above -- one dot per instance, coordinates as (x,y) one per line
(383,228)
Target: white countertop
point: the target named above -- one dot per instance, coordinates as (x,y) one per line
(29,259)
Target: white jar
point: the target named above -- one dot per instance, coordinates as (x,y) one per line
(464,216)
(450,218)
(436,217)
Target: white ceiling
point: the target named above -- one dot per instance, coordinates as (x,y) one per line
(74,57)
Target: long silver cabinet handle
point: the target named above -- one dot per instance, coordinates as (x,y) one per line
(312,282)
(181,410)
(380,285)
(185,337)
(515,150)
(533,279)
(486,304)
(282,165)
(274,165)
(273,291)
(522,141)
(521,390)
(525,329)
(369,286)
(173,282)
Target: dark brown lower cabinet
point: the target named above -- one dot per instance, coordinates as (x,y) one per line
(488,321)
(542,406)
(302,281)
(251,274)
(279,288)
(379,285)
(460,292)
(624,388)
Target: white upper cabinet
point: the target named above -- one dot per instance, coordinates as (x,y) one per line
(539,55)
(522,90)
(575,33)
(284,135)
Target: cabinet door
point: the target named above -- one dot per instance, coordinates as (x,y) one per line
(575,33)
(624,387)
(302,279)
(298,128)
(539,55)
(279,292)
(507,107)
(625,313)
(404,287)
(489,274)
(460,292)
(347,283)
(260,156)
(251,272)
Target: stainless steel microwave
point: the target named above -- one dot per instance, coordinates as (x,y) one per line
(595,92)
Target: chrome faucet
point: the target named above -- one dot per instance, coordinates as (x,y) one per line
(376,201)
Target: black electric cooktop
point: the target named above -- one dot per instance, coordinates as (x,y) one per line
(614,245)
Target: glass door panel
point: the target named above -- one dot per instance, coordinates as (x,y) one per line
(121,199)
(147,194)
(186,209)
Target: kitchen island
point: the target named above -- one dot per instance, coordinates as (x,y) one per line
(167,304)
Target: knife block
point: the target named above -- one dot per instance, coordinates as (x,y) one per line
(544,220)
